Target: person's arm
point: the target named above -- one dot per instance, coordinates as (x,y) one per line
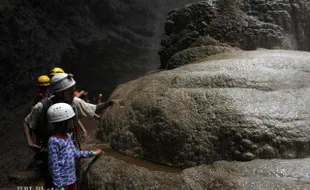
(29,124)
(103,105)
(107,104)
(89,110)
(82,153)
(96,116)
(27,132)
(83,129)
(84,109)
(86,153)
(80,94)
(53,162)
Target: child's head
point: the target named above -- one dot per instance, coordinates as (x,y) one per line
(60,116)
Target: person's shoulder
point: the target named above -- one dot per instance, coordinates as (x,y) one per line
(77,100)
(38,106)
(59,139)
(53,140)
(69,135)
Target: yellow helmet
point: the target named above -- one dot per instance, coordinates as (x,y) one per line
(56,70)
(43,80)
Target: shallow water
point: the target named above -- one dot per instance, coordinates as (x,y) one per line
(91,126)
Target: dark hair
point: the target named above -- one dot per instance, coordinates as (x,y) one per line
(60,126)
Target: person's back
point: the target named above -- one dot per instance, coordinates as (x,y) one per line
(44,131)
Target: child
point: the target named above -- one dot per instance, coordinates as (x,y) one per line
(61,150)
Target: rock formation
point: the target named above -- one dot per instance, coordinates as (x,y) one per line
(241,24)
(110,173)
(248,105)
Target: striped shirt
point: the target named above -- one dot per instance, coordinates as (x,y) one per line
(61,159)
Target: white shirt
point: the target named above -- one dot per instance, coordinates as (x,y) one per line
(84,109)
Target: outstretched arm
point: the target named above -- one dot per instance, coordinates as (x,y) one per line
(107,104)
(80,94)
(83,153)
(87,154)
(103,106)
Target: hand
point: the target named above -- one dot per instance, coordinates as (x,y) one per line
(35,147)
(117,102)
(99,152)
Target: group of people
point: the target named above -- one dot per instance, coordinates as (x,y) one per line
(54,119)
(44,91)
(43,83)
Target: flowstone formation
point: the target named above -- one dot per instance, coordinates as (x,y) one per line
(249,105)
(244,24)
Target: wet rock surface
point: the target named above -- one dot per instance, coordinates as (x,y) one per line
(249,105)
(108,173)
(244,24)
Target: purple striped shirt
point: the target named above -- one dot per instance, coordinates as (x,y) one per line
(61,160)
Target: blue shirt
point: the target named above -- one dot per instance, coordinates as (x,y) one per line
(61,160)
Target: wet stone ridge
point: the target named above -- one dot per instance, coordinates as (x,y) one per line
(250,105)
(109,173)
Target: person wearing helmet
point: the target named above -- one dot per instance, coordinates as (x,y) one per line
(99,98)
(78,94)
(55,70)
(62,86)
(60,116)
(43,84)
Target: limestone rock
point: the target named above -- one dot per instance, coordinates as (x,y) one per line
(244,24)
(109,173)
(248,105)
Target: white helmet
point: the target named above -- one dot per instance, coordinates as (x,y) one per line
(61,82)
(59,112)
